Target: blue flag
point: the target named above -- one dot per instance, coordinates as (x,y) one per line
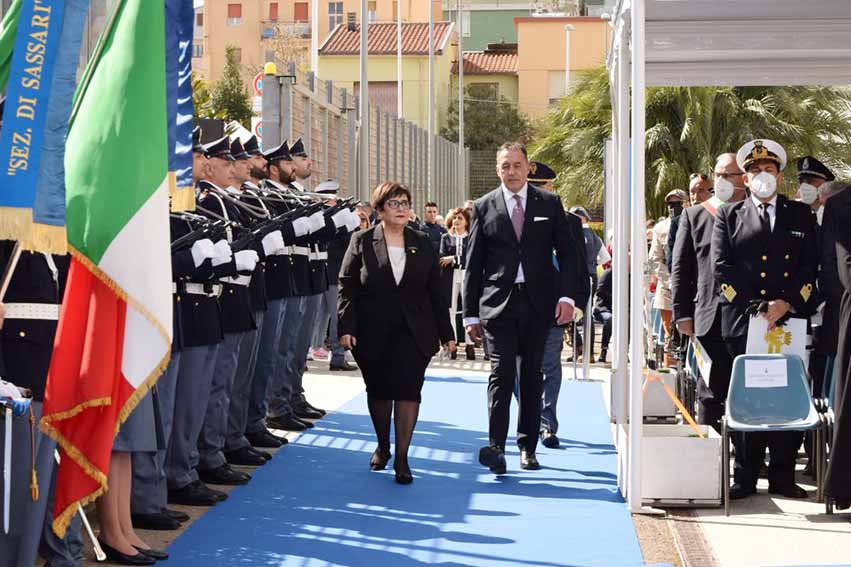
(35,121)
(179,22)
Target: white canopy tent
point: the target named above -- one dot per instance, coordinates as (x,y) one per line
(691,43)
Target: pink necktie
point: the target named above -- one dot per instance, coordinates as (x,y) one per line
(517,216)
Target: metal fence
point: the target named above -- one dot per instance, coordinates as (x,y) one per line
(325,117)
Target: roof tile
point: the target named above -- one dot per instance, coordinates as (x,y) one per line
(488,63)
(382,39)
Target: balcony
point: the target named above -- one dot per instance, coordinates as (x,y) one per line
(296,30)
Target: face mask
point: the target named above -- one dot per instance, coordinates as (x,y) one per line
(675,209)
(764,185)
(808,193)
(724,190)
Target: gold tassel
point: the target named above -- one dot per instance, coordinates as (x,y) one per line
(33,476)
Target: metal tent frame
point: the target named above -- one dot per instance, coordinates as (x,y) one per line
(693,43)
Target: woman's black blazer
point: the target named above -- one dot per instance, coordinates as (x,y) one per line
(370,304)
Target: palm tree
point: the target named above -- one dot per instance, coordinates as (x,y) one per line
(687,128)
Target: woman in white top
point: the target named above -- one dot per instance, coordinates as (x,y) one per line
(453,250)
(393,316)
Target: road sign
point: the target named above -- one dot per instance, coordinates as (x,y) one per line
(257,104)
(257,127)
(258,84)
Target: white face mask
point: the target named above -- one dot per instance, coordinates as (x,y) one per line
(808,193)
(764,185)
(724,190)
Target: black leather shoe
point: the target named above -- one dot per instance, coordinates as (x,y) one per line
(380,458)
(403,474)
(157,554)
(217,494)
(345,367)
(290,423)
(737,491)
(311,407)
(602,358)
(494,459)
(244,456)
(470,352)
(116,556)
(549,439)
(528,461)
(789,491)
(262,454)
(307,413)
(265,439)
(224,475)
(176,515)
(158,522)
(192,495)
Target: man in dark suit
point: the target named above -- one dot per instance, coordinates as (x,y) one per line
(697,311)
(764,249)
(513,290)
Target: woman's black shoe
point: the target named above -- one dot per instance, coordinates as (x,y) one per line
(404,476)
(453,355)
(117,557)
(157,554)
(471,352)
(379,459)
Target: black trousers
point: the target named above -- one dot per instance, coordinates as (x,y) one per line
(712,396)
(782,445)
(519,331)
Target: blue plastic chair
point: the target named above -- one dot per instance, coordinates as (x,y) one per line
(786,408)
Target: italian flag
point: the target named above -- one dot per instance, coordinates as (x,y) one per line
(114,334)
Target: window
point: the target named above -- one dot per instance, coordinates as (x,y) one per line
(372,10)
(300,12)
(197,50)
(273,11)
(199,19)
(234,14)
(465,23)
(335,14)
(556,89)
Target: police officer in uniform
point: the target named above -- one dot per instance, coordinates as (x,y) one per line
(764,249)
(812,174)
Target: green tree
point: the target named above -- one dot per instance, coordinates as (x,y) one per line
(489,121)
(687,128)
(229,98)
(201,98)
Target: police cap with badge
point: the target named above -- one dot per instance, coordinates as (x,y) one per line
(219,149)
(279,153)
(252,147)
(540,173)
(297,149)
(237,150)
(808,166)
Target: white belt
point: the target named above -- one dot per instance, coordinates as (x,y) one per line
(319,255)
(238,280)
(40,311)
(301,250)
(285,251)
(198,289)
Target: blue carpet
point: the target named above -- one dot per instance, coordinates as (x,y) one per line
(317,504)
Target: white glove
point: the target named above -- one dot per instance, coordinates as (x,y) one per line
(201,250)
(223,253)
(301,226)
(340,218)
(246,260)
(353,221)
(317,222)
(273,242)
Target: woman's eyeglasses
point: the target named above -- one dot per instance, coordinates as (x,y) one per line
(396,204)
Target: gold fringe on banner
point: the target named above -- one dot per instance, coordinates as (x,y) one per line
(182,198)
(17,224)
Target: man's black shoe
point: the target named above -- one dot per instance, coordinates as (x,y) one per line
(737,491)
(224,475)
(307,413)
(494,459)
(244,456)
(262,454)
(345,367)
(217,494)
(528,461)
(192,495)
(312,407)
(549,439)
(289,423)
(265,439)
(789,491)
(158,522)
(176,515)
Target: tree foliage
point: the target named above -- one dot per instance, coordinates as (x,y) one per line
(229,98)
(687,128)
(488,121)
(201,98)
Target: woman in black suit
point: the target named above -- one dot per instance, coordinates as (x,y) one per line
(393,316)
(453,250)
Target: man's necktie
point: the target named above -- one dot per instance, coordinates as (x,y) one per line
(517,216)
(765,220)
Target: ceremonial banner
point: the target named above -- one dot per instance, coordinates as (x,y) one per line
(42,79)
(114,334)
(180,22)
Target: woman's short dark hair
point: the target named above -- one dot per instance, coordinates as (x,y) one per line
(387,191)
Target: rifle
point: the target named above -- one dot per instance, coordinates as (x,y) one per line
(269,226)
(211,230)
